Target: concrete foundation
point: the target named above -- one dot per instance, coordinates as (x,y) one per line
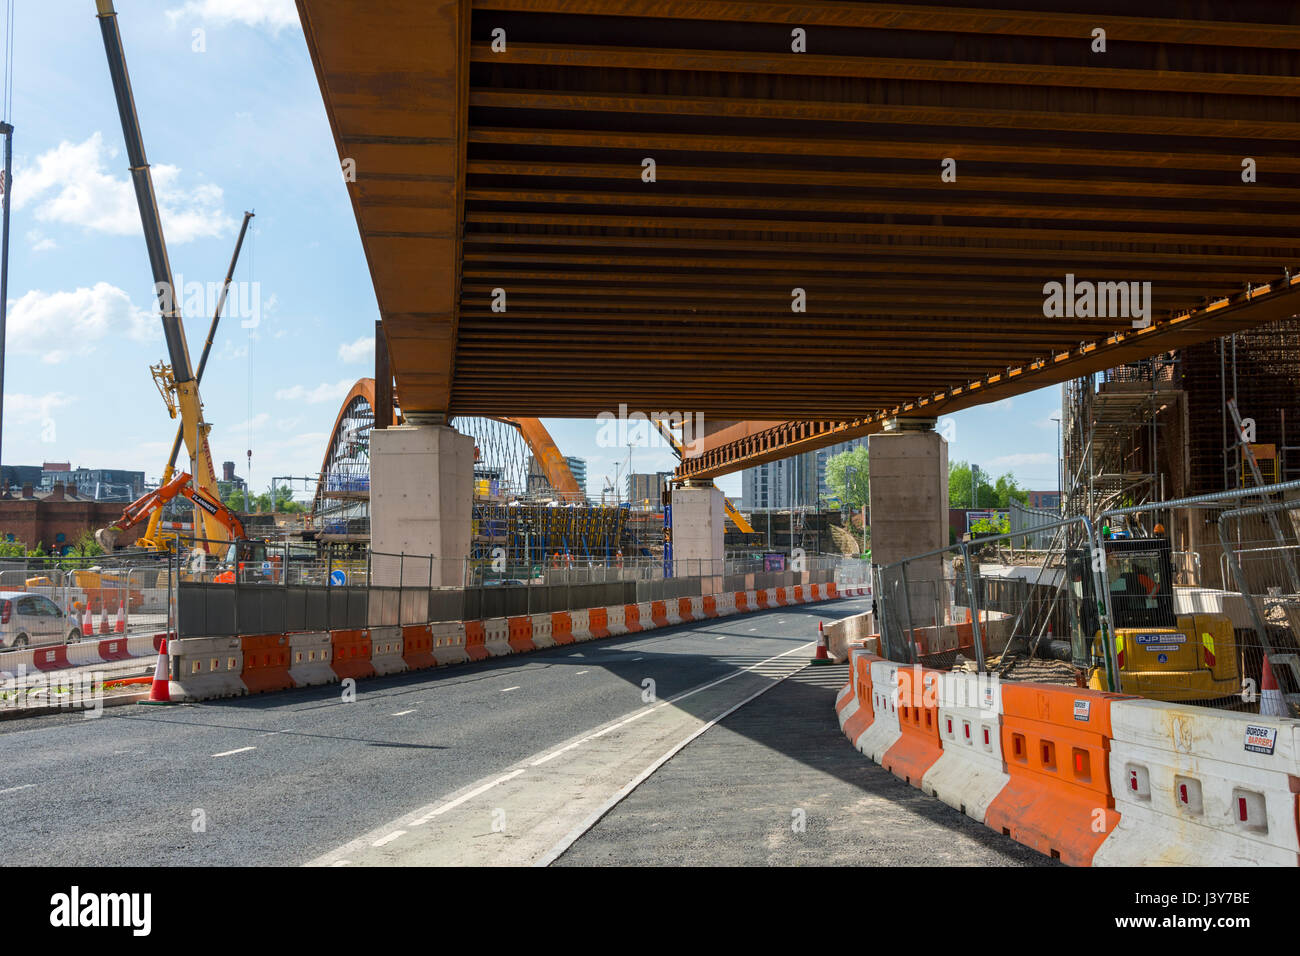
(909,512)
(699,520)
(421,483)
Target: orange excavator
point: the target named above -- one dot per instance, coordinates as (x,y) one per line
(142,509)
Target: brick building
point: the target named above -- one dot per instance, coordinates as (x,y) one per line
(55,519)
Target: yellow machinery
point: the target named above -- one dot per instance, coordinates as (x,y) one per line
(178,382)
(1159,654)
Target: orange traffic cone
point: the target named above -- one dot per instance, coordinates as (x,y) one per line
(160,690)
(822,657)
(88,623)
(1271,703)
(119,626)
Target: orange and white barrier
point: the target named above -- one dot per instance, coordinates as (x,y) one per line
(884,730)
(542,630)
(1196,787)
(970,772)
(614,620)
(386,650)
(496,637)
(309,659)
(207,667)
(449,642)
(581,628)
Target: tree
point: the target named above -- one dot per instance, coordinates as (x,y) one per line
(848,476)
(997,495)
(235,500)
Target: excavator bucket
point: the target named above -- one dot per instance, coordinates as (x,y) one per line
(106,538)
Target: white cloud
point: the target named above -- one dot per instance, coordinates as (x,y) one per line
(274,15)
(1047,422)
(1021,460)
(70,185)
(23,409)
(324,392)
(56,325)
(361,350)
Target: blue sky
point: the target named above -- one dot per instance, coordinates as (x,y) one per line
(236,125)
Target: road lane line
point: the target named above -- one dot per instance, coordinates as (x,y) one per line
(227,753)
(576,833)
(403,713)
(25,786)
(506,690)
(671,700)
(580,673)
(453,804)
(383,840)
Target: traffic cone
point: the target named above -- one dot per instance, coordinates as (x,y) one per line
(1271,703)
(119,626)
(103,617)
(822,657)
(160,690)
(88,622)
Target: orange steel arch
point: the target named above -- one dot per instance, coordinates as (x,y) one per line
(534,433)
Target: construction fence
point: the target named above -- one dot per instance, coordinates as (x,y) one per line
(1194,600)
(394,589)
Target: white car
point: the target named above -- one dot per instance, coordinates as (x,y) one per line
(27,619)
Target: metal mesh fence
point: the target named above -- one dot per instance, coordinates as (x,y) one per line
(1195,601)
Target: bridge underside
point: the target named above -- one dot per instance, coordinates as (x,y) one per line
(524,169)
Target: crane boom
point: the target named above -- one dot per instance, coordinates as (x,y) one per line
(193,429)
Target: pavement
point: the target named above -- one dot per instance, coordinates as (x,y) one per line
(509,761)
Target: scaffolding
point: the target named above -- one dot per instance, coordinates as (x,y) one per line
(1111,426)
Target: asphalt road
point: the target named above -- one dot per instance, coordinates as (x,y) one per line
(304,776)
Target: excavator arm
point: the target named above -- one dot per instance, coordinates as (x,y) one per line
(149,505)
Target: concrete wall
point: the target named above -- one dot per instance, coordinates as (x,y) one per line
(421,487)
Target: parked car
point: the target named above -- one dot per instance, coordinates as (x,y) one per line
(27,619)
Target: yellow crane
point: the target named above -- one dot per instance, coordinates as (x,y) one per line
(177,382)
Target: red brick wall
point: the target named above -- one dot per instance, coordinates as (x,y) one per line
(40,521)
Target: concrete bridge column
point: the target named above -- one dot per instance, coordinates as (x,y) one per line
(699,521)
(909,509)
(421,488)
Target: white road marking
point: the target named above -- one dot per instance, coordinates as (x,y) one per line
(227,753)
(341,863)
(271,734)
(25,786)
(506,690)
(664,703)
(383,840)
(580,673)
(452,804)
(751,630)
(573,835)
(403,713)
(724,637)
